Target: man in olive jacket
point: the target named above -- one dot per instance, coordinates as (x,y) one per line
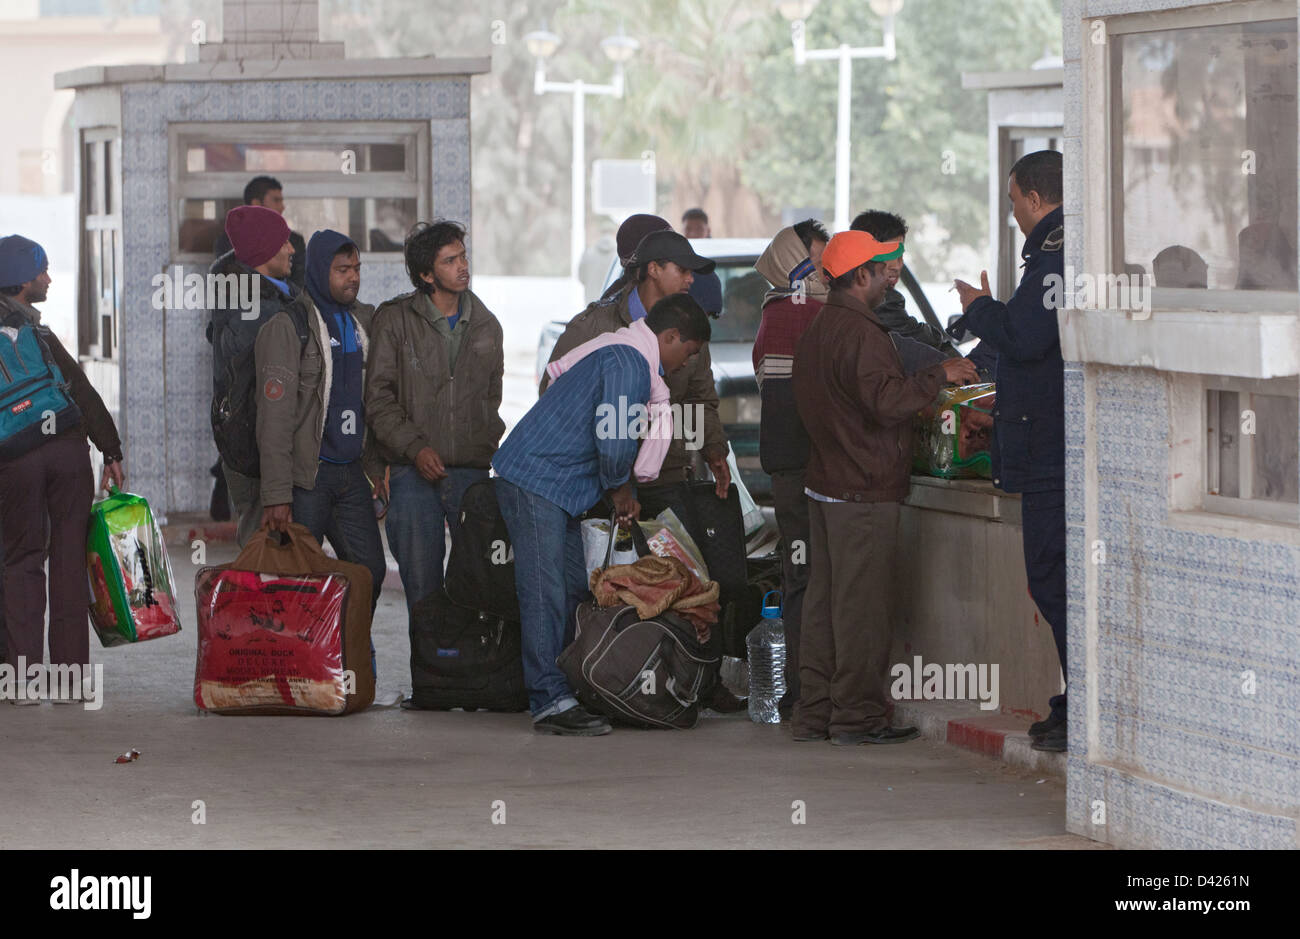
(663,264)
(432,399)
(857,406)
(311,420)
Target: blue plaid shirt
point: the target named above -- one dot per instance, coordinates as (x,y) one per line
(576,443)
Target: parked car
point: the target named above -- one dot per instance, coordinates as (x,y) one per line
(732,345)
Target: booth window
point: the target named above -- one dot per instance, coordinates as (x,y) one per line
(369,181)
(1252,464)
(100,302)
(1204,116)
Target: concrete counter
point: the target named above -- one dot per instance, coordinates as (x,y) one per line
(961,595)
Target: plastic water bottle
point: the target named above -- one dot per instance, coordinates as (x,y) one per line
(766,645)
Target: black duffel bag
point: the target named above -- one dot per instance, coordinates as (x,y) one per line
(481,568)
(463,658)
(643,672)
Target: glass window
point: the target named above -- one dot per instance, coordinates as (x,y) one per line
(743,290)
(374,224)
(1208,156)
(275,158)
(368,180)
(1253,450)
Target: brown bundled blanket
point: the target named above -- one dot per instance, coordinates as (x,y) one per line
(655,584)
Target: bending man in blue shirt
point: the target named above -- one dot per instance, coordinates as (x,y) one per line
(561,457)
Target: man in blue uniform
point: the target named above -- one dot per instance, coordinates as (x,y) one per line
(1029,417)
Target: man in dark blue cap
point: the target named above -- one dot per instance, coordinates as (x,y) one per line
(47,489)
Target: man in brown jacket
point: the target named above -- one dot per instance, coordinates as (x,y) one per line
(433,393)
(45,492)
(857,407)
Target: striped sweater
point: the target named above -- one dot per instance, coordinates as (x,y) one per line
(782,440)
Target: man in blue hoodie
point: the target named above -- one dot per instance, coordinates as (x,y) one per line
(311,425)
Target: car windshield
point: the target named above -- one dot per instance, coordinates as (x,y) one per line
(743,289)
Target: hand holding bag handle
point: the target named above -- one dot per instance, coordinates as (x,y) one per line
(638,539)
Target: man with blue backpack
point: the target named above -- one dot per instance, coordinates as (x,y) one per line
(47,410)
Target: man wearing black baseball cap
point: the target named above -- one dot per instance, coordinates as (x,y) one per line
(664,263)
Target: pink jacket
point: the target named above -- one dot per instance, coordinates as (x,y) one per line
(654,446)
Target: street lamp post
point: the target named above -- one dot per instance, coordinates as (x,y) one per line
(797,11)
(618,49)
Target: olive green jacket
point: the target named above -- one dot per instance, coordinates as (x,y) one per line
(414,399)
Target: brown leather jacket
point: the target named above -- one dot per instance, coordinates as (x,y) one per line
(857,404)
(414,401)
(692,384)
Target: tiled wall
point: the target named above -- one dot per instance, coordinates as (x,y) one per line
(167,363)
(1175,752)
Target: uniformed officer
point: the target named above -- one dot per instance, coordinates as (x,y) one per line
(1029,417)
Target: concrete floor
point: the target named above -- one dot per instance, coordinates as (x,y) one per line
(391,778)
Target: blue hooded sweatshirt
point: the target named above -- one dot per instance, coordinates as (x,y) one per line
(344,434)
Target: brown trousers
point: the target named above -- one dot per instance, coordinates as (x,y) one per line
(45,498)
(848,625)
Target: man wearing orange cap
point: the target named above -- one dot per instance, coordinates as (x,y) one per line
(857,406)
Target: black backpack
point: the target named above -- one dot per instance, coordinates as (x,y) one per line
(234,416)
(481,569)
(463,658)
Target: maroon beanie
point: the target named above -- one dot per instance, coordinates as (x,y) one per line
(256,233)
(633,229)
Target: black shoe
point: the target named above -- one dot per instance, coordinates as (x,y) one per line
(577,721)
(1038,728)
(888,735)
(724,702)
(1055,740)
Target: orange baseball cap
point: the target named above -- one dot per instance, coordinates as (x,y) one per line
(850,249)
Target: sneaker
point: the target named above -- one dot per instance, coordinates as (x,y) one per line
(1038,728)
(388,699)
(888,735)
(577,721)
(1055,740)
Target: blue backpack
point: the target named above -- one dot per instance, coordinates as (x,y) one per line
(35,401)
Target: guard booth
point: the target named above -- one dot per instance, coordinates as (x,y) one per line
(363,146)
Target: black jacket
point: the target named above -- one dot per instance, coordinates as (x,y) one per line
(1029,416)
(229,332)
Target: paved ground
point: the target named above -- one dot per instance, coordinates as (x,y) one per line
(390,778)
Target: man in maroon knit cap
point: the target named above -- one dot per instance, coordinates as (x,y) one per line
(262,250)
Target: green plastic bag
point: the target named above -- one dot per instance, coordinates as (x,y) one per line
(131,585)
(951,438)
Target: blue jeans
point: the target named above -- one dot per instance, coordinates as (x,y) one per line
(551,577)
(417,511)
(340,508)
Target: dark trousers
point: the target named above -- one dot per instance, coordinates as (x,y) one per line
(46,494)
(792,521)
(848,624)
(1043,518)
(339,508)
